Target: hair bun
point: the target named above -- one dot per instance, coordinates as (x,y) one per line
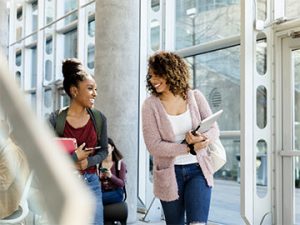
(71,67)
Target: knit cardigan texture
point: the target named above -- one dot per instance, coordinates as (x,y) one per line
(159,138)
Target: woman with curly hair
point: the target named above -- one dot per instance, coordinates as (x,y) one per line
(183,175)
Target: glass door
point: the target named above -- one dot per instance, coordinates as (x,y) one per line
(290,151)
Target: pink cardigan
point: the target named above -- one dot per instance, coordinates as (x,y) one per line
(160,142)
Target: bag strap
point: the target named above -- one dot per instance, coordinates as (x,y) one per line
(61,121)
(97,120)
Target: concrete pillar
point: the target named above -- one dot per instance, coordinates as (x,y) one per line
(117,77)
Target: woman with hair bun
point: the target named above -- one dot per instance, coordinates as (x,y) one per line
(79,121)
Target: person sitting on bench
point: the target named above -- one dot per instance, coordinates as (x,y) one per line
(112,173)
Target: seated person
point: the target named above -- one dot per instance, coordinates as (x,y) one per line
(14,171)
(112,172)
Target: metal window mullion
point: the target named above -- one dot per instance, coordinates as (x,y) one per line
(247,110)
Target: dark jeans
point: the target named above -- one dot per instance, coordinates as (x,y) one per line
(194,197)
(113,196)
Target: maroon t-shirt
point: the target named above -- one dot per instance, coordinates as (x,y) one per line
(86,134)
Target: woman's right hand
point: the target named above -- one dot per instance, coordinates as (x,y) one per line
(82,154)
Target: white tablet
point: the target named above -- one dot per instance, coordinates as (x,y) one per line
(208,122)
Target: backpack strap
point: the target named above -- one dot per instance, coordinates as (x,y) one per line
(61,121)
(97,121)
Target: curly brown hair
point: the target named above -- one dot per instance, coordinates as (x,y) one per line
(173,69)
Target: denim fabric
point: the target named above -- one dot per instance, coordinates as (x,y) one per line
(92,180)
(194,197)
(114,196)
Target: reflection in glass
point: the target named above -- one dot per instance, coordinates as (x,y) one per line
(261,107)
(71,44)
(155,5)
(296,65)
(91,56)
(48,70)
(209,20)
(33,67)
(216,73)
(19,58)
(292,8)
(261,55)
(261,9)
(155,35)
(261,168)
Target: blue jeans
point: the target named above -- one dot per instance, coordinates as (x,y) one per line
(194,197)
(92,180)
(113,196)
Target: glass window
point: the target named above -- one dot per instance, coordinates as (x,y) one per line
(214,74)
(49,11)
(18,78)
(91,28)
(71,44)
(261,169)
(155,35)
(261,55)
(33,67)
(226,194)
(91,56)
(34,16)
(155,5)
(48,70)
(261,107)
(70,5)
(261,9)
(292,8)
(49,45)
(48,98)
(19,58)
(19,13)
(201,21)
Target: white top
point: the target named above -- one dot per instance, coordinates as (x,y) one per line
(181,124)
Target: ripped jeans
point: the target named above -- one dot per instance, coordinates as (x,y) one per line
(194,197)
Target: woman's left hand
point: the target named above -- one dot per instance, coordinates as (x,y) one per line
(201,145)
(192,139)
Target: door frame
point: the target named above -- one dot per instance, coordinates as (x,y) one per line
(284,200)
